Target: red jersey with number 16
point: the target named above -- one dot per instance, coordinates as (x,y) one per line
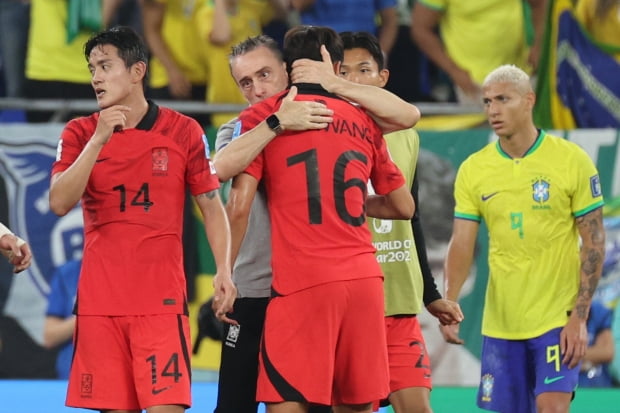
(133,211)
(316,190)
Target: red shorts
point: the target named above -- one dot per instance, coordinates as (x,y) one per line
(325,345)
(409,362)
(410,365)
(130,362)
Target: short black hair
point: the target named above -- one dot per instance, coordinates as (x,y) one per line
(253,43)
(304,42)
(130,47)
(366,41)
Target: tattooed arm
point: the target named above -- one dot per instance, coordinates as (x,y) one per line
(574,336)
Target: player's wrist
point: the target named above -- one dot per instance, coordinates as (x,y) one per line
(273,123)
(338,85)
(95,143)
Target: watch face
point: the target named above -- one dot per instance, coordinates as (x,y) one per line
(274,123)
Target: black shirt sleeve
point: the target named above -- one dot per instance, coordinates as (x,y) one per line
(431,293)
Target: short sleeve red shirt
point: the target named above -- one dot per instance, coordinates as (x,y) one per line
(316,189)
(133,211)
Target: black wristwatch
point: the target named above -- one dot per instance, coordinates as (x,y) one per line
(274,124)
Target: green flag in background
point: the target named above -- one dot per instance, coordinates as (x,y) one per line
(83,15)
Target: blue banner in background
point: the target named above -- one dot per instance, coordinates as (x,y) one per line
(588,79)
(577,84)
(26,155)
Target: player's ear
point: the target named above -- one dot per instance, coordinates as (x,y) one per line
(530,98)
(138,71)
(337,67)
(384,75)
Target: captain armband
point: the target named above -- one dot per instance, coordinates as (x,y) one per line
(4,230)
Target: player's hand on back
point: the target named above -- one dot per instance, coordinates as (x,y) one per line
(303,115)
(110,120)
(312,71)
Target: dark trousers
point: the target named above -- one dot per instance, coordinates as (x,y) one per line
(236,391)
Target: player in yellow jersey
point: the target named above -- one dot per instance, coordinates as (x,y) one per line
(537,194)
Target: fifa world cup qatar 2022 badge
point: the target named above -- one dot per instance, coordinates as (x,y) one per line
(487,387)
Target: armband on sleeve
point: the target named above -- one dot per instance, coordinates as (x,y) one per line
(4,230)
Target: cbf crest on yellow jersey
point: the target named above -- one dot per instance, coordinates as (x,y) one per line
(529,205)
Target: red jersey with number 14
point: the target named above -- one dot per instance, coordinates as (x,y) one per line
(316,189)
(133,211)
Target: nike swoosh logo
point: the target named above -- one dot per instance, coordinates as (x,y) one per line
(157,391)
(486,197)
(102,159)
(553,380)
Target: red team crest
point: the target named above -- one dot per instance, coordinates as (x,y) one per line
(160,161)
(87,385)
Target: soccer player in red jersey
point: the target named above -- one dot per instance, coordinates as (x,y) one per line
(327,305)
(130,164)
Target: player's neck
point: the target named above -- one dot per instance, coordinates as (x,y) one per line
(139,106)
(517,144)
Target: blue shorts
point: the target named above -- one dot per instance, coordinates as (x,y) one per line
(514,372)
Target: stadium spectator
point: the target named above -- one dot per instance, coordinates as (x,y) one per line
(14,23)
(221,24)
(615,331)
(176,69)
(467,46)
(20,356)
(353,15)
(55,58)
(600,351)
(600,18)
(412,76)
(59,318)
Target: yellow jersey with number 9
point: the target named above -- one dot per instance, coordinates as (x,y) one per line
(529,205)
